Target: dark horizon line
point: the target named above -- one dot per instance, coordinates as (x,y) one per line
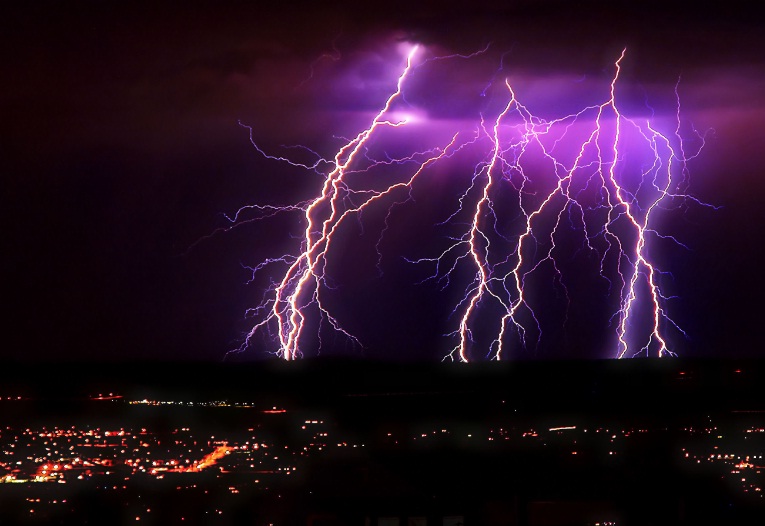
(351,359)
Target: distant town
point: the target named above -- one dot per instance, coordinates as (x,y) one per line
(373,459)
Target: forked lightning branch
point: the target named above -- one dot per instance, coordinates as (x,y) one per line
(597,178)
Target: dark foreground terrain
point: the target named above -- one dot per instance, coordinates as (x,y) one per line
(333,443)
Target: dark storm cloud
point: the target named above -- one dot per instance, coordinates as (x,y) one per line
(123,148)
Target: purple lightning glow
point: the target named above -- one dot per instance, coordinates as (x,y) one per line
(595,178)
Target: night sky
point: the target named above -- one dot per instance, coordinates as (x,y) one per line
(122,152)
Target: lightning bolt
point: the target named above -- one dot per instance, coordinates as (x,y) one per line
(305,278)
(596,174)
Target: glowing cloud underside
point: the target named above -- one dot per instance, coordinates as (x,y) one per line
(596,177)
